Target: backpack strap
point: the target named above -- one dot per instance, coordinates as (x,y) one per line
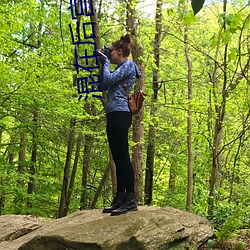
(126,89)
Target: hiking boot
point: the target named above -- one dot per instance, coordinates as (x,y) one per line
(116,203)
(128,204)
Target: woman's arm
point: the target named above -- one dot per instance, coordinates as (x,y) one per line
(123,72)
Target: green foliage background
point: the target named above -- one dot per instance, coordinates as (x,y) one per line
(39,79)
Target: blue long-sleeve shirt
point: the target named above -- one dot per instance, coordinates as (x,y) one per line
(113,82)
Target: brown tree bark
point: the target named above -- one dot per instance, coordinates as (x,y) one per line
(217,141)
(172,178)
(11,152)
(85,170)
(2,201)
(148,190)
(137,126)
(99,189)
(35,111)
(94,19)
(64,190)
(73,174)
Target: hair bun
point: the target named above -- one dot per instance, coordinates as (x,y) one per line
(126,39)
(123,43)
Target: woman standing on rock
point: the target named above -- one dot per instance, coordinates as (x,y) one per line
(119,119)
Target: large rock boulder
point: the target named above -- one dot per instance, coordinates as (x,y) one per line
(147,229)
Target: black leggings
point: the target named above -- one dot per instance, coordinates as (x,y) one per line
(118,123)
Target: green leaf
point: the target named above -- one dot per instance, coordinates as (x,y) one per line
(197,5)
(233,54)
(188,17)
(226,36)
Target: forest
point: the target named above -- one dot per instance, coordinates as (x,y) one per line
(189,144)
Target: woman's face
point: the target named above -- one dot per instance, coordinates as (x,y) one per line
(116,56)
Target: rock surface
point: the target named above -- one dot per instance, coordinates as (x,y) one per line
(147,229)
(15,226)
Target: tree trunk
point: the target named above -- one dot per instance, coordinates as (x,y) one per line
(104,95)
(245,122)
(33,156)
(97,40)
(151,134)
(1,135)
(172,178)
(94,19)
(113,173)
(99,189)
(85,169)
(19,199)
(137,126)
(73,174)
(2,198)
(21,159)
(172,170)
(217,142)
(35,111)
(189,125)
(11,151)
(62,205)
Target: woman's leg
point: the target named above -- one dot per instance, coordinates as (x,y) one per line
(118,124)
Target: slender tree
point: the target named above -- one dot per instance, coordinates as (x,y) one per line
(151,134)
(189,123)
